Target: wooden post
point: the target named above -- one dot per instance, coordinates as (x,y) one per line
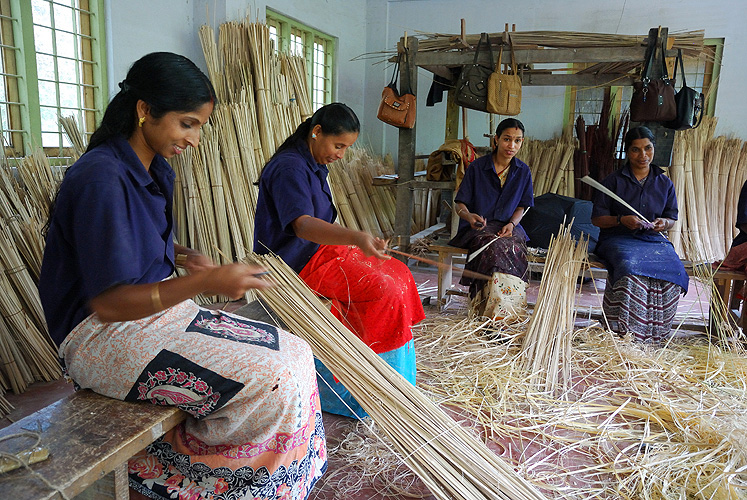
(406,153)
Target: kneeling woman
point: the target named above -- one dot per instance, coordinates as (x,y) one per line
(373,295)
(491,200)
(645,275)
(126,331)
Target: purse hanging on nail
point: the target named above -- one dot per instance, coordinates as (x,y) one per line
(653,99)
(395,109)
(472,85)
(504,89)
(688,101)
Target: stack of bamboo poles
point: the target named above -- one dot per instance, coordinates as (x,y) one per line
(361,205)
(708,173)
(449,459)
(546,349)
(27,353)
(551,164)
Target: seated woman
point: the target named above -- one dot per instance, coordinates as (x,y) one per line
(126,331)
(491,200)
(373,295)
(645,275)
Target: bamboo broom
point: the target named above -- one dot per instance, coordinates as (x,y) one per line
(447,457)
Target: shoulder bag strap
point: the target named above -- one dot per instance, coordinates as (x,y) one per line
(649,60)
(682,67)
(664,70)
(490,49)
(395,75)
(406,57)
(513,56)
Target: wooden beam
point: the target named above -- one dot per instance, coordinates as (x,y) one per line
(580,80)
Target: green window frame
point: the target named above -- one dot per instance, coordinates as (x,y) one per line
(316,47)
(53,64)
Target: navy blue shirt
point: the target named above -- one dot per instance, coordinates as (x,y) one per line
(112,225)
(292,184)
(654,199)
(741,216)
(482,193)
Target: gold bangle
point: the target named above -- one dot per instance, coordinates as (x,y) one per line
(155,297)
(462,210)
(181,259)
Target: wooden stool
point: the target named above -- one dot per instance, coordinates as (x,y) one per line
(90,438)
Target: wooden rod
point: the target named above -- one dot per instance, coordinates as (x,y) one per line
(465,272)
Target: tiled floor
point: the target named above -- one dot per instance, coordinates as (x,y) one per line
(692,310)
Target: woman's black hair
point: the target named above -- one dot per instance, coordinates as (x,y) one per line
(166,81)
(638,133)
(507,123)
(335,118)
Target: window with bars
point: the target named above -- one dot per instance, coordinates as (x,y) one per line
(315,47)
(52,66)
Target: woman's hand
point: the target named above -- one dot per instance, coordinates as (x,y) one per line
(196,262)
(475,221)
(633,222)
(506,231)
(372,246)
(233,280)
(661,224)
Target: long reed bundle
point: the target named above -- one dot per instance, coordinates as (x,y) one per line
(730,184)
(75,135)
(447,457)
(261,54)
(697,139)
(545,352)
(677,175)
(712,171)
(295,68)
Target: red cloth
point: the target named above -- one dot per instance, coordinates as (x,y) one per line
(376,299)
(736,259)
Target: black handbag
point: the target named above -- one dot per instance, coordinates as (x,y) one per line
(653,99)
(472,86)
(689,102)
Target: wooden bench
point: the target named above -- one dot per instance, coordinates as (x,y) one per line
(726,284)
(90,438)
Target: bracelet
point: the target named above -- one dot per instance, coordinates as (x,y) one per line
(181,259)
(155,297)
(618,219)
(462,210)
(512,222)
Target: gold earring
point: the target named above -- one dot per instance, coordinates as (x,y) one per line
(141,121)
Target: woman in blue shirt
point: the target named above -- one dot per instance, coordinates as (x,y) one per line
(126,331)
(645,275)
(373,295)
(491,201)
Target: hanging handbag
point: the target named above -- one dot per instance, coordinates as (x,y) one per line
(653,99)
(472,86)
(395,109)
(689,102)
(504,89)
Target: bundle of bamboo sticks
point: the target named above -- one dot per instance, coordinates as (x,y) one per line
(546,348)
(449,459)
(551,164)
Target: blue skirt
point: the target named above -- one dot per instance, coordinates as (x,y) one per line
(336,399)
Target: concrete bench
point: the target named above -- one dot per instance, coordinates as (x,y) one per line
(89,438)
(726,284)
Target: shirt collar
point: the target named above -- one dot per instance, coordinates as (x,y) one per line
(653,171)
(159,166)
(305,152)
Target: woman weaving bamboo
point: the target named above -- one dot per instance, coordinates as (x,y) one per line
(645,275)
(127,332)
(491,200)
(373,295)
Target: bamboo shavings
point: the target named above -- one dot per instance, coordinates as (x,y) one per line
(448,458)
(545,352)
(637,422)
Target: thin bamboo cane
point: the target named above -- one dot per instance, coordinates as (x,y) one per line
(448,458)
(677,175)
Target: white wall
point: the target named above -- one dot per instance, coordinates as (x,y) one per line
(542,107)
(136,27)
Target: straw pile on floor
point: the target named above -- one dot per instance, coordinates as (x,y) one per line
(551,164)
(708,173)
(447,457)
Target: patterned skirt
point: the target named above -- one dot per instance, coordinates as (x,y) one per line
(255,430)
(642,306)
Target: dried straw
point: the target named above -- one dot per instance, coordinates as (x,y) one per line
(448,458)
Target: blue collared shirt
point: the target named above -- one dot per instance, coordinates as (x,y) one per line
(292,184)
(482,193)
(655,198)
(112,225)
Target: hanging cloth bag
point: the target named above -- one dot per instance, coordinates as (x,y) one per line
(688,101)
(472,86)
(504,89)
(653,99)
(395,109)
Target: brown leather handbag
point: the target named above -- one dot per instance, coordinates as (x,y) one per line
(653,99)
(395,109)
